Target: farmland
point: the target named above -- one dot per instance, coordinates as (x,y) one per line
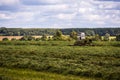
(59,58)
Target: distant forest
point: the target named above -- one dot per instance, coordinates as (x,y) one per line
(41,31)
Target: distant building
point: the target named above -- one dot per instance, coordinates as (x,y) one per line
(81,35)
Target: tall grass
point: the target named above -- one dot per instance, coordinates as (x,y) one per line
(91,61)
(21,74)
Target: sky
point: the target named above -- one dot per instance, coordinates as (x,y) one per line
(59,13)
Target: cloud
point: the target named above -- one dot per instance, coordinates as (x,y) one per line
(66,16)
(9,2)
(41,2)
(4,16)
(65,13)
(9,5)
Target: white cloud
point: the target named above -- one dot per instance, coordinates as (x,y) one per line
(24,16)
(4,16)
(47,8)
(8,2)
(65,12)
(108,5)
(66,16)
(51,1)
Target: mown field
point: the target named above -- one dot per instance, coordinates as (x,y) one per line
(59,59)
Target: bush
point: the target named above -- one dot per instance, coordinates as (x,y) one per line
(38,39)
(13,39)
(27,38)
(83,42)
(30,38)
(5,39)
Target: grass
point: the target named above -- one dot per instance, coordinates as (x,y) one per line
(25,74)
(100,61)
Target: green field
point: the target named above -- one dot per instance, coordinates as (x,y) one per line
(57,60)
(22,74)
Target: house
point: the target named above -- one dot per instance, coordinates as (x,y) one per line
(81,36)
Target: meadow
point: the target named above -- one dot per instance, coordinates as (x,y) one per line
(57,60)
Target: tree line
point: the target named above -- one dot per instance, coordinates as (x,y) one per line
(38,31)
(73,36)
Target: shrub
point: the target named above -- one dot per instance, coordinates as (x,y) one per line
(27,38)
(13,39)
(30,38)
(38,39)
(24,38)
(5,39)
(83,42)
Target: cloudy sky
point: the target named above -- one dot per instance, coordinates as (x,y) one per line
(59,13)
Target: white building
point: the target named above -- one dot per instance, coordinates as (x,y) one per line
(81,35)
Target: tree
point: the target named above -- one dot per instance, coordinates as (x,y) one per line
(73,35)
(44,37)
(97,37)
(58,35)
(106,37)
(118,37)
(90,32)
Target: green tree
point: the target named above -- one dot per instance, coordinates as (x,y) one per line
(73,35)
(97,37)
(90,32)
(44,37)
(118,37)
(106,37)
(58,33)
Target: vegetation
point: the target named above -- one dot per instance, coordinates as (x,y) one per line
(118,37)
(107,37)
(27,38)
(84,42)
(97,38)
(21,74)
(5,39)
(13,39)
(99,61)
(44,37)
(73,35)
(36,31)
